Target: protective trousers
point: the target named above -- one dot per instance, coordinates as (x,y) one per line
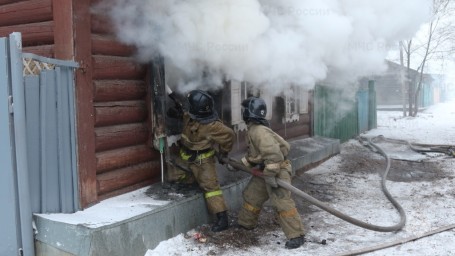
(258,192)
(205,173)
(175,174)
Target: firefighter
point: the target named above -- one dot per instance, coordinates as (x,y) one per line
(202,131)
(267,151)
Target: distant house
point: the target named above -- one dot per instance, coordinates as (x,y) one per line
(390,91)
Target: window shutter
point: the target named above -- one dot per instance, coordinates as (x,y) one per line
(236,100)
(303,101)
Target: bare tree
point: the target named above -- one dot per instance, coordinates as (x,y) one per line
(405,48)
(435,46)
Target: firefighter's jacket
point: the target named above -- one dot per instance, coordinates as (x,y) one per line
(200,137)
(197,150)
(265,147)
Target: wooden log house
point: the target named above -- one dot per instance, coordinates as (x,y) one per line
(114,130)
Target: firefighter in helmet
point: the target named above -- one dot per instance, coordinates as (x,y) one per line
(202,131)
(267,151)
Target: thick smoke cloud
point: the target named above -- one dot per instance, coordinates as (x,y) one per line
(267,42)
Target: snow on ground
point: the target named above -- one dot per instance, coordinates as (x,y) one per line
(429,204)
(111,210)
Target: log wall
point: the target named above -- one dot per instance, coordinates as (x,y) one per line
(123,159)
(111,93)
(112,96)
(34,19)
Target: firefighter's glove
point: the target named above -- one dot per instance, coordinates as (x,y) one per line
(271,180)
(256,172)
(175,112)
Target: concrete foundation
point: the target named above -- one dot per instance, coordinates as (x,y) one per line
(137,234)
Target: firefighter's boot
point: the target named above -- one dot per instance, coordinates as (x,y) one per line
(294,243)
(222,222)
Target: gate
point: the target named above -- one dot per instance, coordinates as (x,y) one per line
(37,142)
(343,118)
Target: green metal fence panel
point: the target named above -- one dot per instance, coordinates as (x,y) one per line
(334,116)
(343,117)
(363,109)
(372,106)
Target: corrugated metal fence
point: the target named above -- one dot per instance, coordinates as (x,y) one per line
(343,117)
(16,236)
(38,144)
(51,136)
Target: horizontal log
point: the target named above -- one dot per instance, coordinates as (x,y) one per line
(26,12)
(4,2)
(118,90)
(128,189)
(101,24)
(108,45)
(41,50)
(110,67)
(120,112)
(112,137)
(33,34)
(120,178)
(124,157)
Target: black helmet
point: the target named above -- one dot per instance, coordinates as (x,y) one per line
(254,109)
(200,104)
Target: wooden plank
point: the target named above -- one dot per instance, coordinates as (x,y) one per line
(120,158)
(41,50)
(5,2)
(84,102)
(25,12)
(148,98)
(118,90)
(129,188)
(120,112)
(113,180)
(108,45)
(109,67)
(63,36)
(112,137)
(32,34)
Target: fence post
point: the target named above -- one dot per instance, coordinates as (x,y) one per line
(20,134)
(9,236)
(372,107)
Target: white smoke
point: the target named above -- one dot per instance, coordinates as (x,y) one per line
(267,42)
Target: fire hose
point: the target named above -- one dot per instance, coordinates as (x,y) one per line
(421,148)
(324,206)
